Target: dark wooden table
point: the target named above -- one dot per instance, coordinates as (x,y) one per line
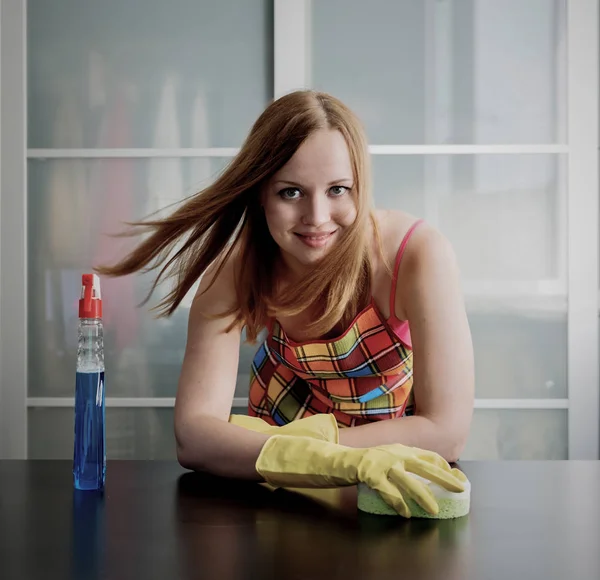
(528,520)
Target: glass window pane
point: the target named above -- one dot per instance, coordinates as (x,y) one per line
(504,214)
(73,207)
(142,433)
(447,71)
(518,434)
(399,182)
(519,354)
(147,74)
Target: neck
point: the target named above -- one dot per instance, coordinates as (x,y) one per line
(290,269)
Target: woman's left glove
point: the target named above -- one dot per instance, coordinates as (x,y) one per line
(321,426)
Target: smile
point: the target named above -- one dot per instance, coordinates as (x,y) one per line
(315,240)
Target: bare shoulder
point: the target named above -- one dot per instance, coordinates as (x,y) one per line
(393,225)
(426,242)
(428,257)
(428,248)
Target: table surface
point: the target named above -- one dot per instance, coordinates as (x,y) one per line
(155,520)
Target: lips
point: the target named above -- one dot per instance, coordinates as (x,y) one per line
(315,240)
(315,236)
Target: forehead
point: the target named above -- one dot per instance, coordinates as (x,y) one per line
(322,155)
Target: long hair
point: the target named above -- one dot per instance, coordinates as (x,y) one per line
(227,217)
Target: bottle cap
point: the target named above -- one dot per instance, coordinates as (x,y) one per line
(90,302)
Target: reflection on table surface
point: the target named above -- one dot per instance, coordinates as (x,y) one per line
(234,528)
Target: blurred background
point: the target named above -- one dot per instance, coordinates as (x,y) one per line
(476,115)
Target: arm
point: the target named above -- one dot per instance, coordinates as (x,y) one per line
(205,439)
(432,302)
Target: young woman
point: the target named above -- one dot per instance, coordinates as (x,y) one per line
(366,325)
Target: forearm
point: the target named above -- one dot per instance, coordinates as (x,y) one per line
(413,431)
(215,446)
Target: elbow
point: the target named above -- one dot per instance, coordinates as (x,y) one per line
(450,451)
(181,447)
(452,455)
(196,438)
(449,440)
(190,454)
(454,446)
(191,458)
(452,433)
(184,458)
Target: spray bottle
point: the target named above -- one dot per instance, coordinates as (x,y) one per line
(89,455)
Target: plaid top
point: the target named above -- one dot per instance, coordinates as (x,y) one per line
(364,375)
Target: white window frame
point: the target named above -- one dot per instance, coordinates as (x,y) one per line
(13,232)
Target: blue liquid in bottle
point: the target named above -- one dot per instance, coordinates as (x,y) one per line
(89,450)
(89,459)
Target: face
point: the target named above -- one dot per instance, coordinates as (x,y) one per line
(310,201)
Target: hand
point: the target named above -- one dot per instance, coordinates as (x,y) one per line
(389,469)
(288,461)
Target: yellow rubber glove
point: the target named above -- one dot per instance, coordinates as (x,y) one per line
(322,426)
(287,461)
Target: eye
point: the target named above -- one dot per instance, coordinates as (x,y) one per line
(338,190)
(289,193)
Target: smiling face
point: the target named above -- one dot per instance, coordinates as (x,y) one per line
(310,201)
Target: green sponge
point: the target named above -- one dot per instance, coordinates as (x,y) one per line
(451,504)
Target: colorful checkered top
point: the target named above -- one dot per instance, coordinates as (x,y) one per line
(364,375)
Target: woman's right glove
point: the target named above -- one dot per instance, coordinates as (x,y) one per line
(288,461)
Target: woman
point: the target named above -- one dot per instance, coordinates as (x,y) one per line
(365,319)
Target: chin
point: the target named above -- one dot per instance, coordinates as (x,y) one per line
(312,258)
(308,257)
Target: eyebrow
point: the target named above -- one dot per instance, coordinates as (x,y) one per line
(299,185)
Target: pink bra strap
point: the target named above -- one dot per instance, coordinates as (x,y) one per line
(397,267)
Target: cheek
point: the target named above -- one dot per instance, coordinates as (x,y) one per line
(346,214)
(280,218)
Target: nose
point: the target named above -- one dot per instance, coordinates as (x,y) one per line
(316,211)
